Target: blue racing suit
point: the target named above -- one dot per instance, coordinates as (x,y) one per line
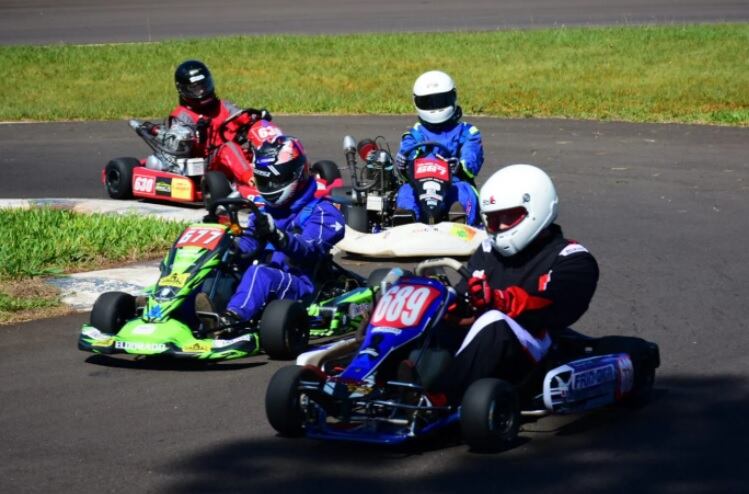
(464,142)
(312,226)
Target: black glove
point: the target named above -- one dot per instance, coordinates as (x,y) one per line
(265,229)
(265,115)
(454,165)
(202,129)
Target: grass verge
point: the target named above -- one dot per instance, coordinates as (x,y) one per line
(47,242)
(692,73)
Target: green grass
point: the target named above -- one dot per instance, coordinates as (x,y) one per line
(43,242)
(652,74)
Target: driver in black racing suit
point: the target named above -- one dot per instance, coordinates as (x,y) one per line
(527,283)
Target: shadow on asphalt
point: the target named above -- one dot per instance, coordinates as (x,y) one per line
(691,438)
(169,364)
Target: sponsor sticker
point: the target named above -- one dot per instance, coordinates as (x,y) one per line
(225,343)
(144,329)
(140,347)
(182,189)
(425,168)
(572,249)
(197,347)
(593,377)
(163,186)
(176,280)
(463,232)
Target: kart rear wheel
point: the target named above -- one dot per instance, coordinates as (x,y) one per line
(645,358)
(284,329)
(214,186)
(326,170)
(356,218)
(118,177)
(490,415)
(111,311)
(282,399)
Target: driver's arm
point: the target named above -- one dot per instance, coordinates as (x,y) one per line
(472,152)
(323,229)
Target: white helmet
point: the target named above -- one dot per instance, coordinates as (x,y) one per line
(435,97)
(517,203)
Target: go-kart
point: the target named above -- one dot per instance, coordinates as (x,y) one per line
(173,174)
(376,228)
(351,390)
(204,264)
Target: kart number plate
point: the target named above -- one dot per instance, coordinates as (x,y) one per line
(426,168)
(402,306)
(195,167)
(204,237)
(375,203)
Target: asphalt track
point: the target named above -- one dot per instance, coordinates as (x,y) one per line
(663,207)
(102,21)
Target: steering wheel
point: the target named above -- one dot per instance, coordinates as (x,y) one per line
(443,262)
(233,205)
(254,115)
(425,145)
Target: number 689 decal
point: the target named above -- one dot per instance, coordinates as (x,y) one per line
(403,306)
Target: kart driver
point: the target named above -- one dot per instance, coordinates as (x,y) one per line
(201,110)
(300,227)
(435,98)
(527,283)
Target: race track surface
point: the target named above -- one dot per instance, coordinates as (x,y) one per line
(97,21)
(664,209)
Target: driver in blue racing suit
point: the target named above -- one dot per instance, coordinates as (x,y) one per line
(435,99)
(301,229)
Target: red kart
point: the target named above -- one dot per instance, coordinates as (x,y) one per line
(173,174)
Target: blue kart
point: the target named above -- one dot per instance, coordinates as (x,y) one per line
(350,390)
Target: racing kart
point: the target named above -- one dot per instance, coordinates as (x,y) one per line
(173,174)
(203,264)
(376,228)
(353,391)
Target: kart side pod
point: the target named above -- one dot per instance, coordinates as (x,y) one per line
(588,383)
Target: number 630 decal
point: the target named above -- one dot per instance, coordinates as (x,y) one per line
(403,306)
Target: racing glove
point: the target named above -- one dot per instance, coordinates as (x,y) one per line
(400,162)
(484,297)
(265,229)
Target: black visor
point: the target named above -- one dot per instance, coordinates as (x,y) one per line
(435,101)
(198,90)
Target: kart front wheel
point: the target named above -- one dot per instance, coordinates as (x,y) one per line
(490,415)
(111,311)
(282,399)
(284,329)
(118,177)
(326,170)
(214,186)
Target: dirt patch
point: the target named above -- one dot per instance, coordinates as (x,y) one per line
(28,300)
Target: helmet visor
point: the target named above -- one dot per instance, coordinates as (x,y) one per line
(435,101)
(273,178)
(505,219)
(199,87)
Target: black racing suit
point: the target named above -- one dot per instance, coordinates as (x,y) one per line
(551,282)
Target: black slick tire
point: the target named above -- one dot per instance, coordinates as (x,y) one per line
(490,415)
(284,329)
(326,170)
(111,311)
(118,177)
(282,406)
(214,186)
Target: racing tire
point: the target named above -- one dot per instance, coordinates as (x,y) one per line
(111,311)
(326,170)
(282,400)
(214,186)
(356,218)
(284,329)
(645,359)
(118,177)
(490,415)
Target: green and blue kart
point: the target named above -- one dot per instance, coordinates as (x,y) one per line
(174,320)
